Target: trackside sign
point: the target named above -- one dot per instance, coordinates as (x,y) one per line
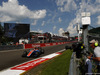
(45,44)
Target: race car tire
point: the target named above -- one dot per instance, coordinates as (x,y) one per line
(36,54)
(24,54)
(67,47)
(42,51)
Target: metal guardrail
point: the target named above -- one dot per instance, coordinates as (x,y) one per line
(74,64)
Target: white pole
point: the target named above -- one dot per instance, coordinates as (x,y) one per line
(78,29)
(78,37)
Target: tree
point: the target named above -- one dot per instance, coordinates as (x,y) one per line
(1,33)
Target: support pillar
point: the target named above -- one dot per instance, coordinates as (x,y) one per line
(85,33)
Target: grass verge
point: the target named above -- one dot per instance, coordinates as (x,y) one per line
(55,66)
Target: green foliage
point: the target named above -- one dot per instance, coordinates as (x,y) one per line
(82,67)
(1,31)
(95,30)
(4,39)
(56,66)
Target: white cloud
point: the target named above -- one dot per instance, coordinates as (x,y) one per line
(83,6)
(93,8)
(34,23)
(49,15)
(54,28)
(41,31)
(98,22)
(60,2)
(12,11)
(97,1)
(43,23)
(53,18)
(61,30)
(72,28)
(89,7)
(59,19)
(72,25)
(66,5)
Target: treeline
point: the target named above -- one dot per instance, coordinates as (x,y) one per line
(3,39)
(95,30)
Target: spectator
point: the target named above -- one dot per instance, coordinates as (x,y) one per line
(89,65)
(96,50)
(17,43)
(78,47)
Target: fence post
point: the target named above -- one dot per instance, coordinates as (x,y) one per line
(86,21)
(85,33)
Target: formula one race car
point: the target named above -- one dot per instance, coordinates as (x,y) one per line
(34,52)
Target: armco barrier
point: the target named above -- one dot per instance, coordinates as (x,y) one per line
(72,65)
(10,47)
(45,44)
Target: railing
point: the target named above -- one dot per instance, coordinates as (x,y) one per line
(76,68)
(74,65)
(71,69)
(77,65)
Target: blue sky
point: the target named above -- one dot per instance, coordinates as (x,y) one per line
(54,16)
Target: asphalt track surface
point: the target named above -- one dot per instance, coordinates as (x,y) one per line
(11,58)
